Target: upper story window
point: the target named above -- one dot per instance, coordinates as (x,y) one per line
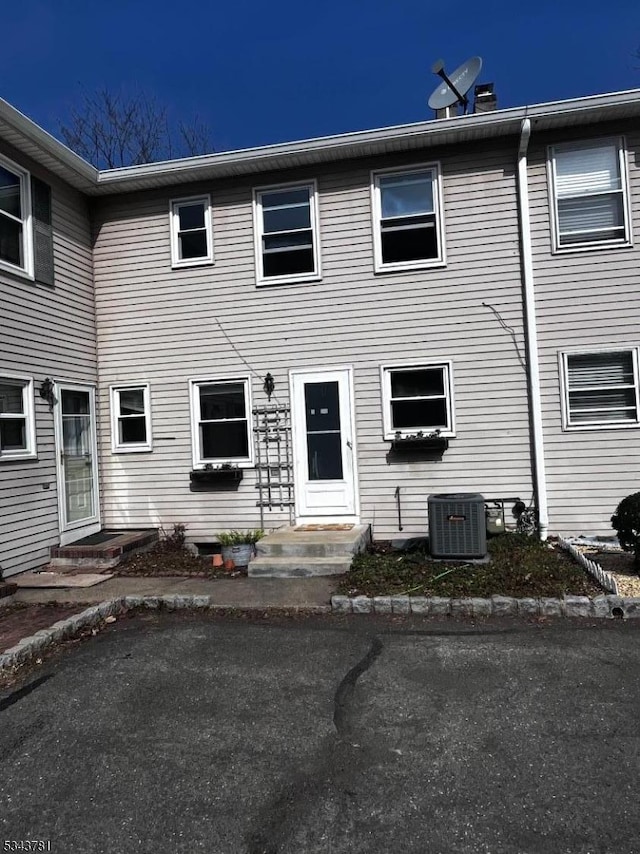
(600,389)
(130,418)
(220,412)
(17,424)
(191,232)
(407,213)
(286,229)
(417,399)
(16,253)
(589,195)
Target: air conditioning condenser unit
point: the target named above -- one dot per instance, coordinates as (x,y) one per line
(457,525)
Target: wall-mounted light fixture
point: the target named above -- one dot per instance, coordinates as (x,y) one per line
(268,386)
(46,392)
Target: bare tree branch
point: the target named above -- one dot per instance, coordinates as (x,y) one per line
(113,129)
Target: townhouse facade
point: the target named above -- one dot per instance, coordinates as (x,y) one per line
(322,331)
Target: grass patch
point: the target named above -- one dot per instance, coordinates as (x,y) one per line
(519,566)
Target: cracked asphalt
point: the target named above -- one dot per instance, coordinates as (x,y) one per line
(177,733)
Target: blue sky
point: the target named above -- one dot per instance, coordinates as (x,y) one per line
(262,72)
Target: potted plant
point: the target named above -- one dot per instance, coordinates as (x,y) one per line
(223,473)
(239,546)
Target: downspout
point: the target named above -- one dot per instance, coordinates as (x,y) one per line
(537,445)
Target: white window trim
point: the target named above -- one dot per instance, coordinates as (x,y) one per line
(313,276)
(390,432)
(174,222)
(194,396)
(376,213)
(30,453)
(564,390)
(27,221)
(592,245)
(129,447)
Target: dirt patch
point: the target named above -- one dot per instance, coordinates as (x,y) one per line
(163,561)
(519,566)
(20,620)
(621,565)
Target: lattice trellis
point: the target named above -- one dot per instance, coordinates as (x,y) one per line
(274,459)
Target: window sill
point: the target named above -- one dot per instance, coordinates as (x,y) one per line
(380,269)
(288,280)
(591,247)
(609,425)
(138,449)
(16,271)
(18,458)
(188,265)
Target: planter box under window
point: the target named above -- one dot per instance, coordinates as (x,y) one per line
(437,443)
(216,476)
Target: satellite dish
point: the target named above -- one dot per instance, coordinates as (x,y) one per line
(455,86)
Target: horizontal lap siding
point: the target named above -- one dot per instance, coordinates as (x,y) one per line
(45,332)
(160,326)
(584,300)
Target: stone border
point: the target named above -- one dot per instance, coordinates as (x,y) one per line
(31,647)
(606,579)
(496,606)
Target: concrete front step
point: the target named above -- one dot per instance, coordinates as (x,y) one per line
(289,542)
(298,567)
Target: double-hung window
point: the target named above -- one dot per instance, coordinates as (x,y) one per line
(417,399)
(16,252)
(220,412)
(600,389)
(130,418)
(589,195)
(17,425)
(407,218)
(191,232)
(286,230)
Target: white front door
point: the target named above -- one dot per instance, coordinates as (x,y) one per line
(324,444)
(77,461)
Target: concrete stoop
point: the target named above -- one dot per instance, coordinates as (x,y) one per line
(293,553)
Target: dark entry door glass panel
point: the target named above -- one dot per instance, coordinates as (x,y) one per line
(324,444)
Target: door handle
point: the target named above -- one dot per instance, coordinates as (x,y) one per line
(349,445)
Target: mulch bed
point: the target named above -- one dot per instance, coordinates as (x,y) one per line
(21,620)
(519,566)
(162,561)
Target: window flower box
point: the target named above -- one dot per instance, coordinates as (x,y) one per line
(231,474)
(420,442)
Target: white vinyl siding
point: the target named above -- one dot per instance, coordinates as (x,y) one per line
(16,241)
(286,234)
(17,425)
(600,389)
(191,232)
(589,195)
(130,418)
(407,219)
(221,422)
(417,399)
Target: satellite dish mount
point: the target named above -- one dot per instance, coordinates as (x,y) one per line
(456,85)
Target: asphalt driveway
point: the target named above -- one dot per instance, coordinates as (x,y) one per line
(175,733)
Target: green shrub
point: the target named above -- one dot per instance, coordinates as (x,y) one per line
(239,538)
(626,521)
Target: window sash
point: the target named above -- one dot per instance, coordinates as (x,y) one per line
(589,194)
(119,419)
(177,233)
(273,241)
(24,262)
(601,388)
(25,416)
(198,422)
(390,399)
(424,220)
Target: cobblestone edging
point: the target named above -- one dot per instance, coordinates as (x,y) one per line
(32,647)
(496,606)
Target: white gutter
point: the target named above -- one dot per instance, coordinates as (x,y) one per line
(540,480)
